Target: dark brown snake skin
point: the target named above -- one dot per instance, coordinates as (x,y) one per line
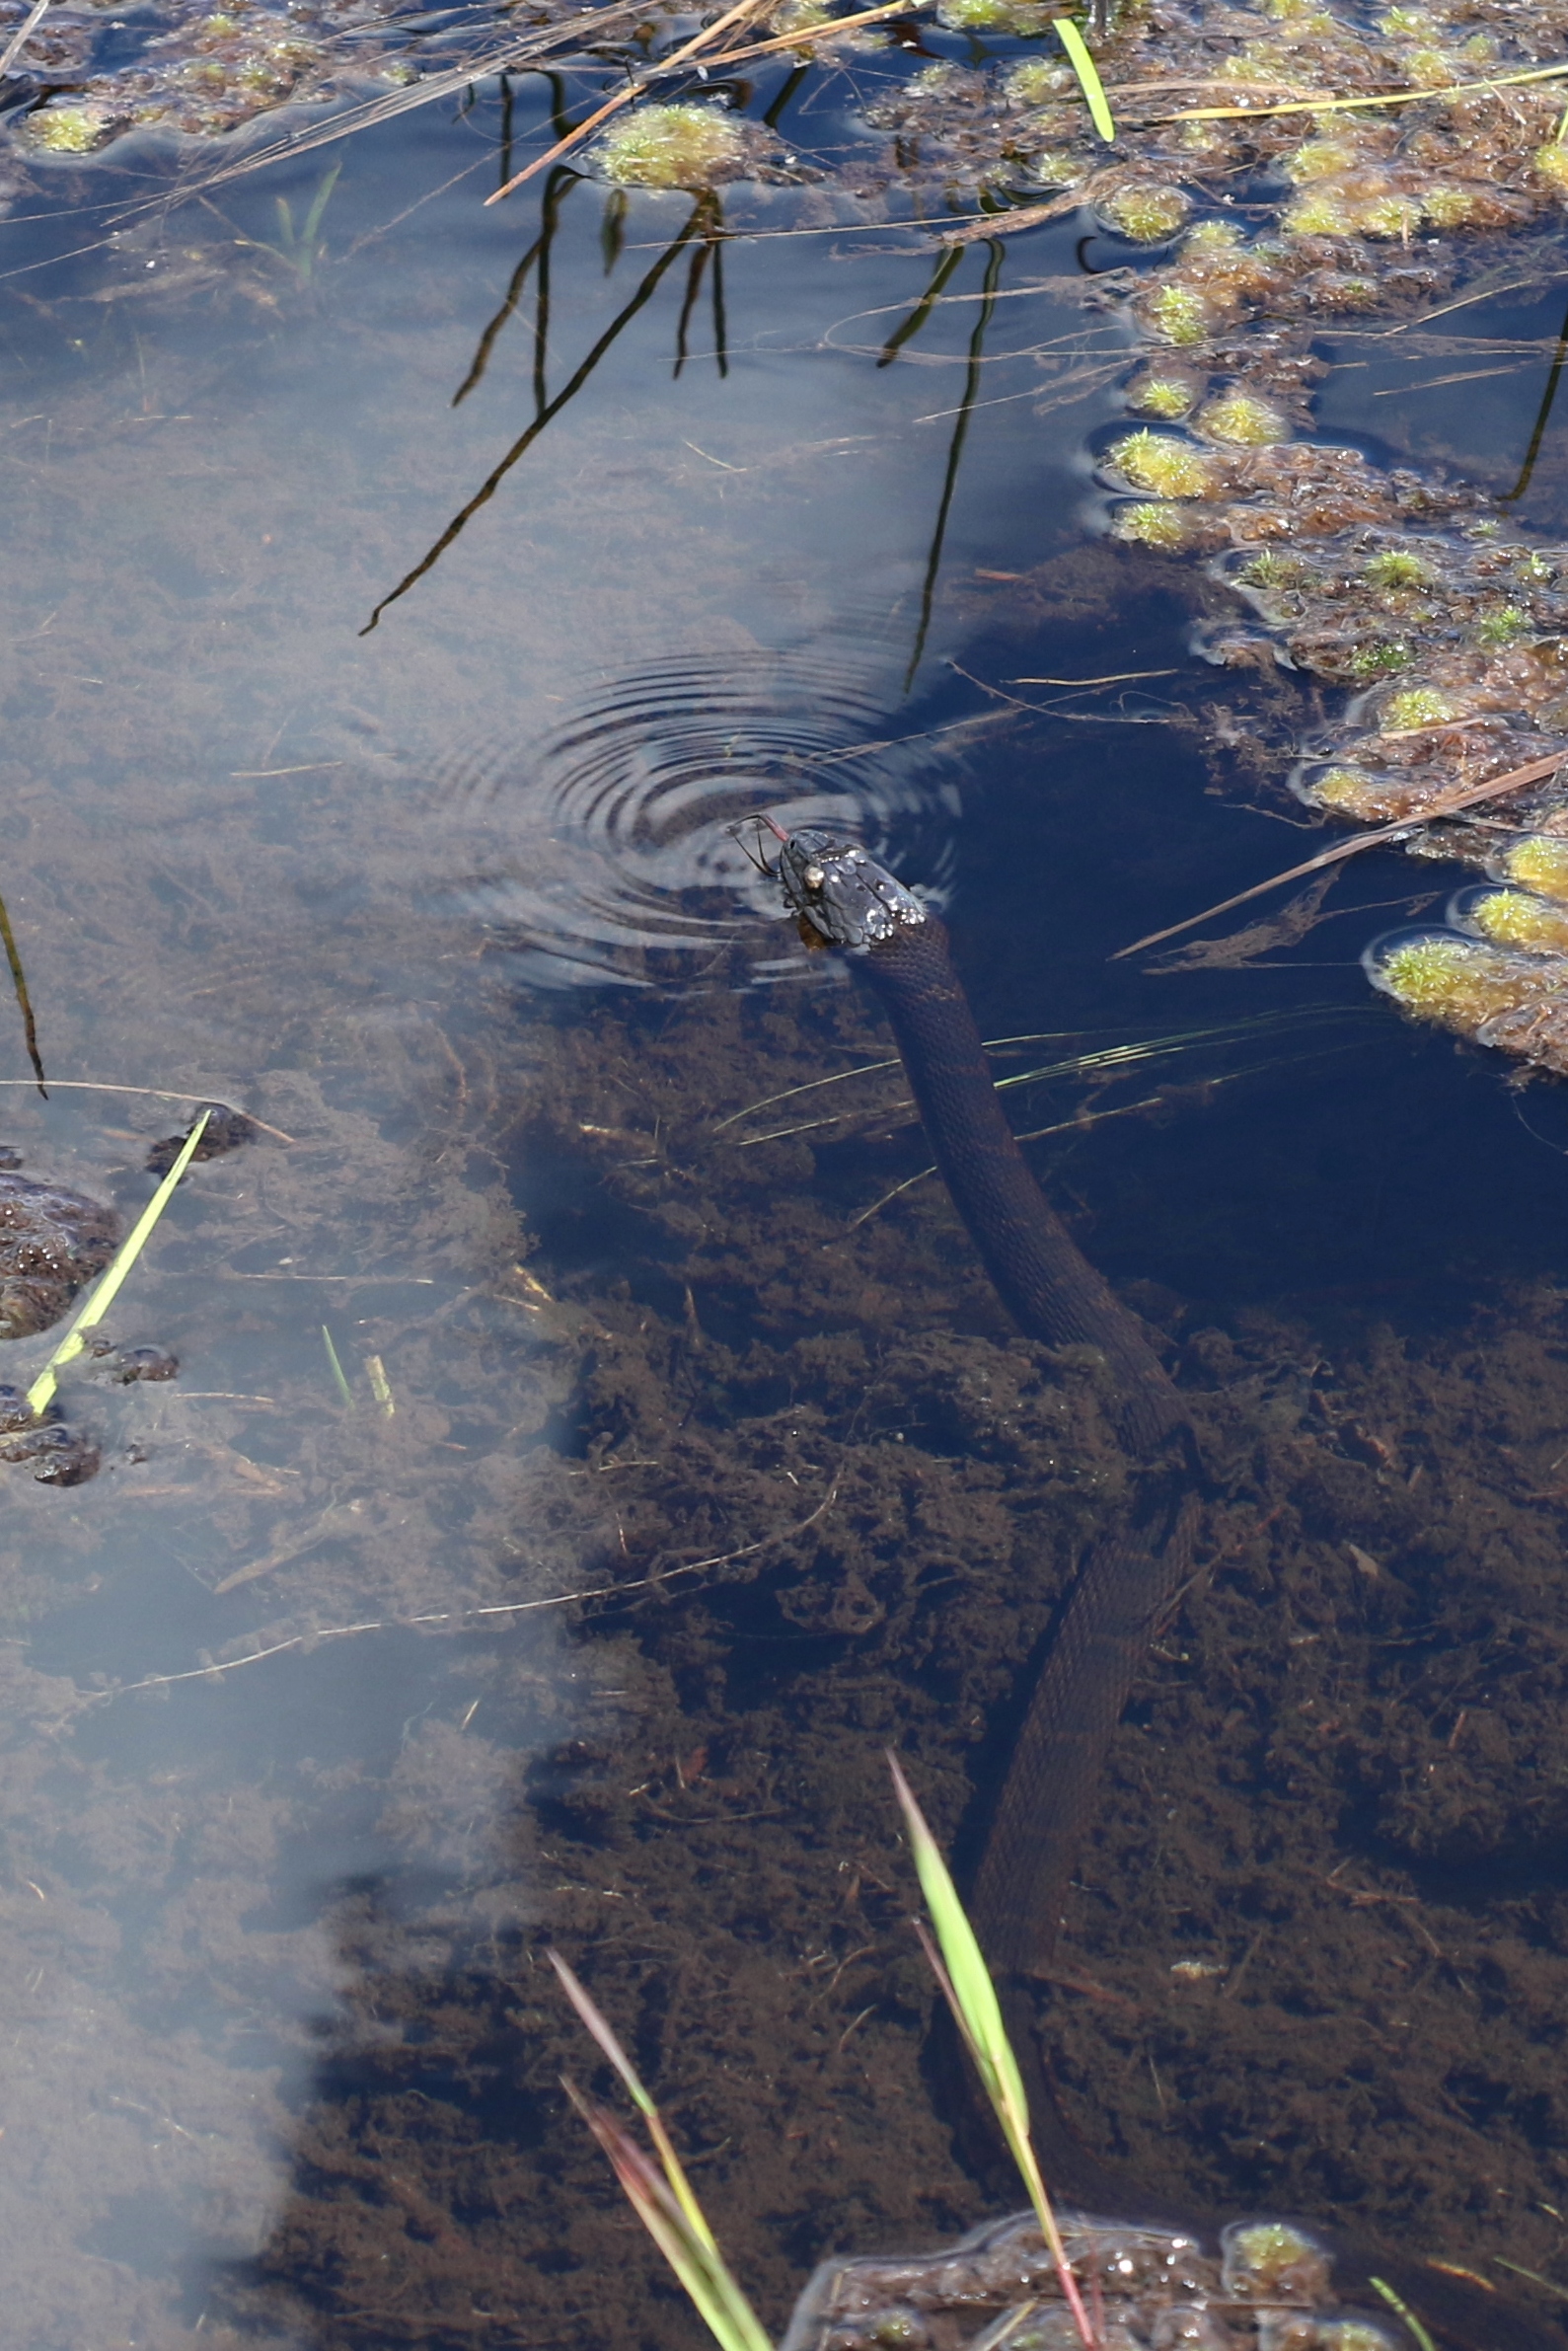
(843,899)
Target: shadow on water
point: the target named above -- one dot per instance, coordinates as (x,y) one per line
(305,1769)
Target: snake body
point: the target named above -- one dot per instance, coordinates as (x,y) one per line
(843,899)
(846,900)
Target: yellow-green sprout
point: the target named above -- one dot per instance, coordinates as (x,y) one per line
(1552,161)
(1504,626)
(1390,216)
(1211,238)
(1024,17)
(1035,81)
(1349,790)
(68,130)
(1058,167)
(1451,207)
(1321,159)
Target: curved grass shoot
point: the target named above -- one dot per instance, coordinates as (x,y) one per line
(667,2208)
(960,1969)
(1084,65)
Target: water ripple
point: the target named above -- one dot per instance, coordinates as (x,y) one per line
(606,851)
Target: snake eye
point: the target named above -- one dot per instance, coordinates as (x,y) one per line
(815,879)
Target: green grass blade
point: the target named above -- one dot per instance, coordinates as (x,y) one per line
(1403,2311)
(95,1305)
(339,1376)
(976,2004)
(696,2263)
(603,2031)
(965,1980)
(1088,72)
(313,218)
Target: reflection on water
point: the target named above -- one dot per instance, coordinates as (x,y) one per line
(507,1304)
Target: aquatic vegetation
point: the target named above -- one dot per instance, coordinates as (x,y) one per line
(1505,626)
(1161,465)
(1149,214)
(674,146)
(1036,81)
(1400,568)
(1021,17)
(1538,863)
(1161,394)
(1514,918)
(1243,419)
(72,128)
(1152,525)
(1449,979)
(1273,2260)
(1421,707)
(1180,314)
(102,1296)
(1119,2281)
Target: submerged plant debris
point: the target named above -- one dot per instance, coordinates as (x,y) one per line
(1270,2289)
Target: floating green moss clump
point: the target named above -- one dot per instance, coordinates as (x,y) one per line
(69,129)
(1322,214)
(1421,705)
(1036,81)
(1461,982)
(1515,918)
(1270,2261)
(1165,396)
(1506,626)
(1349,790)
(1148,215)
(1380,656)
(1021,17)
(1157,525)
(674,146)
(1538,863)
(1244,422)
(1179,314)
(1163,466)
(1400,567)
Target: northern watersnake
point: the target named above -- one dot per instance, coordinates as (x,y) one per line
(843,899)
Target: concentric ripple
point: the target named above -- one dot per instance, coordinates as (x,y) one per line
(609,849)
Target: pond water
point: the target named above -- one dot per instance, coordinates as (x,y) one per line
(570,1489)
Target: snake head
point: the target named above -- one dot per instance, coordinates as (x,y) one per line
(841,896)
